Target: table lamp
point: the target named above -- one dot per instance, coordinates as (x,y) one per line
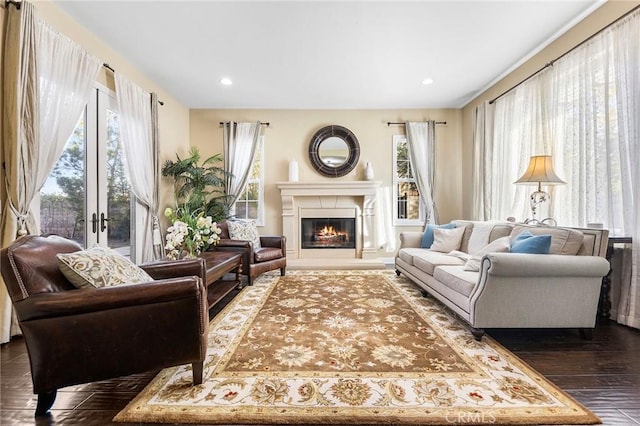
(540,171)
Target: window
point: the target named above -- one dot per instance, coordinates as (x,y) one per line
(407,207)
(250,204)
(87,195)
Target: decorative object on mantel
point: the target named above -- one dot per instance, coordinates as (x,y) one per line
(334,151)
(293,171)
(191,232)
(540,171)
(368,171)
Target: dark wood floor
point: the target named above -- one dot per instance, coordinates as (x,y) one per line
(603,374)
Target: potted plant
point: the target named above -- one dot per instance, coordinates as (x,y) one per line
(199,186)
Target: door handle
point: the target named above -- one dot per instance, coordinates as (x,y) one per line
(94,222)
(102,222)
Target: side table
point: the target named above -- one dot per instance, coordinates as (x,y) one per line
(218,264)
(604,304)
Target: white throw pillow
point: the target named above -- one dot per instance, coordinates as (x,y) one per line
(446,240)
(501,245)
(247,231)
(479,236)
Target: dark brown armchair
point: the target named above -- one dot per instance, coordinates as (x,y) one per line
(271,255)
(83,335)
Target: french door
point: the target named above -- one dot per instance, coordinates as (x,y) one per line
(87,196)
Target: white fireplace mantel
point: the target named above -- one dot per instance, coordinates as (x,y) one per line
(360,195)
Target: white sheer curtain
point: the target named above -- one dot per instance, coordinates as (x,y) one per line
(482,129)
(421,147)
(140,145)
(585,112)
(47,81)
(240,142)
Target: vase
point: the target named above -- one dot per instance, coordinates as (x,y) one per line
(368,171)
(293,171)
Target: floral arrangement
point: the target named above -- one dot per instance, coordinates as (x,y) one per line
(190,233)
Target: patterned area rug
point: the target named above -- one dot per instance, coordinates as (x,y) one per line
(350,347)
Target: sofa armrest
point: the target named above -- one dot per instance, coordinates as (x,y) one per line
(410,239)
(162,269)
(543,265)
(91,300)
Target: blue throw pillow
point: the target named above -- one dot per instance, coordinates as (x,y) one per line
(526,242)
(427,237)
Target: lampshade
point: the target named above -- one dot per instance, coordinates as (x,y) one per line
(540,170)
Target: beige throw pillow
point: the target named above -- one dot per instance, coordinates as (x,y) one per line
(501,245)
(446,240)
(247,231)
(100,267)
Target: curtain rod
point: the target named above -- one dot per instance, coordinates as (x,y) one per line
(14,2)
(549,64)
(107,66)
(261,123)
(391,123)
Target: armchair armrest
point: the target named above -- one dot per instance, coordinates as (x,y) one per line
(225,242)
(544,265)
(162,269)
(88,300)
(278,241)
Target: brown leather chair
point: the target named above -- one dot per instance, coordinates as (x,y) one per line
(83,335)
(271,255)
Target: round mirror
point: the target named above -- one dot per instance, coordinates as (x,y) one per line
(334,151)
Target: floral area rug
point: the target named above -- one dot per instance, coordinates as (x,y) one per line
(350,347)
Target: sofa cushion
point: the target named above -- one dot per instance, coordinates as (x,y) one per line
(446,240)
(427,237)
(501,245)
(526,242)
(267,253)
(456,278)
(100,267)
(240,230)
(563,240)
(427,260)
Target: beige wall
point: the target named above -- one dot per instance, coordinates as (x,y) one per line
(173,116)
(288,137)
(599,19)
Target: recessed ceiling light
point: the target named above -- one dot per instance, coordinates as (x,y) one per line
(226,81)
(427,81)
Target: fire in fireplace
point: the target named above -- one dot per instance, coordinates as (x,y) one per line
(318,233)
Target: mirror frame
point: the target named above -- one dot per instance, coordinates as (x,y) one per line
(352,145)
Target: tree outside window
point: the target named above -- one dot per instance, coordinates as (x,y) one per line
(407,205)
(250,203)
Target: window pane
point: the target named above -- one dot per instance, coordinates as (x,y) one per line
(118,190)
(62,197)
(408,201)
(402,161)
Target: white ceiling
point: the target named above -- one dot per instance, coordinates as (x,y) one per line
(326,54)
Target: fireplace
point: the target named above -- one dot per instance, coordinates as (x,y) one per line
(354,200)
(328,233)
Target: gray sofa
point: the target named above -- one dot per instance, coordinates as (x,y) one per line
(513,290)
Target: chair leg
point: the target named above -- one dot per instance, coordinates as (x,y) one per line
(249,280)
(45,402)
(282,271)
(197,372)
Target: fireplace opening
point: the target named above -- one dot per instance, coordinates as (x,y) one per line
(331,233)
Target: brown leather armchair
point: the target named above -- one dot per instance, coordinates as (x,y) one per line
(83,335)
(272,255)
